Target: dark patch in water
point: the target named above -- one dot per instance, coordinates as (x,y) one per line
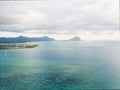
(43,81)
(38,81)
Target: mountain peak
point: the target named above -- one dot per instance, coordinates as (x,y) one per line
(21,36)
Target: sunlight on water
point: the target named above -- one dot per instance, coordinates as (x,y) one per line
(61,66)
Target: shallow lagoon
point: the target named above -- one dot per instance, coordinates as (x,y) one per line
(61,66)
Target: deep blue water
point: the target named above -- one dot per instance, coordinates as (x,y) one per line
(61,66)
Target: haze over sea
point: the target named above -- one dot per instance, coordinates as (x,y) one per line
(61,65)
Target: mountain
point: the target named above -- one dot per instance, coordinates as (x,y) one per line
(76,38)
(22,39)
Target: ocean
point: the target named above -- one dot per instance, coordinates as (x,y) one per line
(61,65)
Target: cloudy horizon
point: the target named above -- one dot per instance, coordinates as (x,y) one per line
(60,19)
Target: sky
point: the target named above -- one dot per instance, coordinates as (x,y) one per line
(61,19)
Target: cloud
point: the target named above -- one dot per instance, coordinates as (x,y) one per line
(59,16)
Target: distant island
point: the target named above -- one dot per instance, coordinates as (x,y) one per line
(22,39)
(17,46)
(76,38)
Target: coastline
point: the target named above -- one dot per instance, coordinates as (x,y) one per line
(17,46)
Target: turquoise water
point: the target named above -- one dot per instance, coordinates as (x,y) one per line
(61,66)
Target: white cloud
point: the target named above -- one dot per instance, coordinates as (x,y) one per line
(60,17)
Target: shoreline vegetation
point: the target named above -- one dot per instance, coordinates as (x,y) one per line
(17,46)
